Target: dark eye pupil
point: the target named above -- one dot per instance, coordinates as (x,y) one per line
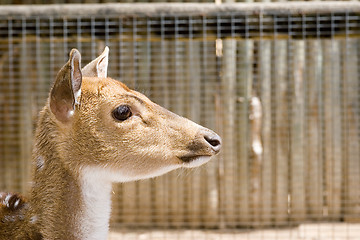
(122,113)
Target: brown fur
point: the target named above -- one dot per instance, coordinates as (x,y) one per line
(151,140)
(14,222)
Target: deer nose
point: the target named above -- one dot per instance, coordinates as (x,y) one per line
(213,140)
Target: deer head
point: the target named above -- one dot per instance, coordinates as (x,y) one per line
(105,126)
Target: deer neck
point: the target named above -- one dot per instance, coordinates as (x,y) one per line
(72,203)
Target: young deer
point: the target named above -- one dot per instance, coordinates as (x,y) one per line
(94,131)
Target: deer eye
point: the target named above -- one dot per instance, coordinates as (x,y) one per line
(122,112)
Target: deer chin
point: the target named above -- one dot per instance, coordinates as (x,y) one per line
(194,161)
(121,176)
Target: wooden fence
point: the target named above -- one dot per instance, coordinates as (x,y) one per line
(281,88)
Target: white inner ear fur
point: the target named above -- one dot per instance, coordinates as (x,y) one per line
(77,95)
(101,67)
(102,64)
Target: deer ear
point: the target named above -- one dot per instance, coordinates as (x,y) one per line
(98,67)
(67,88)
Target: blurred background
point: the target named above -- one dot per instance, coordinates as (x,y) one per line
(279,82)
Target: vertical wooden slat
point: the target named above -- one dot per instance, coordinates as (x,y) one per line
(314,131)
(4,119)
(42,66)
(11,161)
(332,128)
(219,121)
(229,86)
(244,85)
(129,206)
(210,198)
(2,137)
(25,117)
(265,96)
(297,119)
(351,106)
(256,158)
(116,206)
(144,66)
(228,74)
(127,66)
(281,141)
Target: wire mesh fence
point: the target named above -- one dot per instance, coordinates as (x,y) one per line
(281,87)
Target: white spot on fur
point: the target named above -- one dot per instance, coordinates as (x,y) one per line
(33,219)
(16,204)
(70,113)
(9,218)
(40,162)
(6,200)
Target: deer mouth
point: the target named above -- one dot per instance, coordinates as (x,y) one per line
(190,161)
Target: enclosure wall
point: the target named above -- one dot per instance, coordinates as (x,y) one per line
(281,87)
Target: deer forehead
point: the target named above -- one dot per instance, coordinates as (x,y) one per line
(110,90)
(103,86)
(107,94)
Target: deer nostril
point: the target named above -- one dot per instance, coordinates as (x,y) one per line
(214,141)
